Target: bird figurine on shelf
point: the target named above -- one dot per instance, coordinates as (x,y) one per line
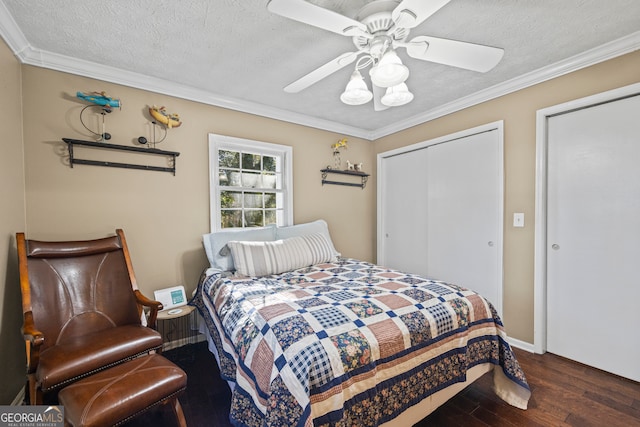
(160,116)
(170,120)
(101,99)
(106,104)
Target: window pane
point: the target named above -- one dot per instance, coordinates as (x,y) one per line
(268,180)
(270,200)
(228,159)
(230,199)
(251,179)
(234,179)
(252,200)
(253,218)
(251,161)
(270,217)
(269,163)
(229,178)
(232,218)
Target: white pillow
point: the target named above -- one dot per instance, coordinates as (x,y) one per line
(318,226)
(256,259)
(214,243)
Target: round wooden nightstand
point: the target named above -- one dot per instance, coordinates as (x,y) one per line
(178,326)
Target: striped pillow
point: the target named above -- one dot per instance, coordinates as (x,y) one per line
(258,259)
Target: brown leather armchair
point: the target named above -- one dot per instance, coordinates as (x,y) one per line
(82,310)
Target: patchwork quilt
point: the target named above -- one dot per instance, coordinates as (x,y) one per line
(348,342)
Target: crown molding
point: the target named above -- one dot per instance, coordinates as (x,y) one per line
(585,59)
(26,54)
(107,73)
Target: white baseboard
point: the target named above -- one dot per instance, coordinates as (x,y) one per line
(19,399)
(521,345)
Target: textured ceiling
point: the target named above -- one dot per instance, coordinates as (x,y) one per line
(236,54)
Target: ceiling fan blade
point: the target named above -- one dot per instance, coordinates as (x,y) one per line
(471,56)
(378,93)
(322,72)
(303,11)
(411,13)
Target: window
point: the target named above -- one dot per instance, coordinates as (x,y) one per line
(250,183)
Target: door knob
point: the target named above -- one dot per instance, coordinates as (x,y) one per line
(555,246)
(490,243)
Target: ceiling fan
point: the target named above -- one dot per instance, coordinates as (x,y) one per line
(379,28)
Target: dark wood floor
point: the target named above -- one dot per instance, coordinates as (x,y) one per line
(564,393)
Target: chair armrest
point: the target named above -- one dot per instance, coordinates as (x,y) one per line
(33,340)
(153,305)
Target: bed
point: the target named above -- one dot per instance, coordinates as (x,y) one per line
(308,338)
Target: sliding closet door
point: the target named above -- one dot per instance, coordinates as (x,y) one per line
(404,211)
(465,211)
(593,236)
(440,210)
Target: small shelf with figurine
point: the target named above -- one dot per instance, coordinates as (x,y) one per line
(159,117)
(363,177)
(353,169)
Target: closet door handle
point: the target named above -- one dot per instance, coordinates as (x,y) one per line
(490,243)
(555,246)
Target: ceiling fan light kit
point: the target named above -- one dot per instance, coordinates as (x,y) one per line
(379,28)
(397,95)
(356,92)
(389,71)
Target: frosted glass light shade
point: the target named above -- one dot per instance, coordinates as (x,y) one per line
(356,92)
(397,95)
(390,71)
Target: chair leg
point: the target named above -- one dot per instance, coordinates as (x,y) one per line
(35,393)
(177,410)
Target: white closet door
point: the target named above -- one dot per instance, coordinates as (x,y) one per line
(440,211)
(404,211)
(465,210)
(593,236)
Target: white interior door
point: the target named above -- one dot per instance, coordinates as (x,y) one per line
(593,236)
(440,210)
(464,222)
(405,211)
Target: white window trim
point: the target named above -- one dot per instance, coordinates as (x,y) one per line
(228,142)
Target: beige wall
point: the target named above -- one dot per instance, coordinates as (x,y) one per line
(164,216)
(518,110)
(12,219)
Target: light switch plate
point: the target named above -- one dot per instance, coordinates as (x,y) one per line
(518,219)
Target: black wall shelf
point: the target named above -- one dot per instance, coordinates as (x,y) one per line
(364,177)
(73,160)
